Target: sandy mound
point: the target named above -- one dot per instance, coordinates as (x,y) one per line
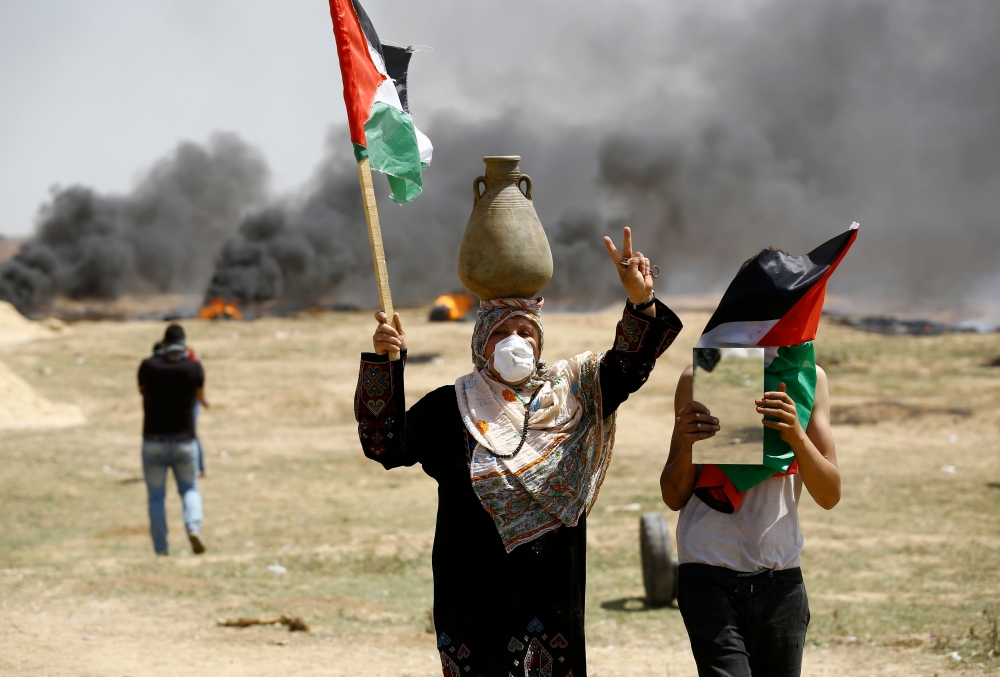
(22,407)
(16,328)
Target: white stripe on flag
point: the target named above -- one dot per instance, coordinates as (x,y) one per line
(424,146)
(387,94)
(736,334)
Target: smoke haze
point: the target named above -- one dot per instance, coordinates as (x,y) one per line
(302,248)
(162,237)
(712,130)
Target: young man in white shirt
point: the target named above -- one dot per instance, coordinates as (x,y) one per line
(740,588)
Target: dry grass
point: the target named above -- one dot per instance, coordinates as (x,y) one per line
(899,574)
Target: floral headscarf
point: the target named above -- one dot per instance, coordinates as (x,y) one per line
(556,475)
(495,312)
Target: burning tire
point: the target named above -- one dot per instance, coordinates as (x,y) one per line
(452,307)
(219,309)
(659,568)
(441,314)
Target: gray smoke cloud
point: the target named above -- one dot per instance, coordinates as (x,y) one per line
(788,121)
(161,237)
(809,115)
(882,112)
(313,246)
(713,130)
(300,249)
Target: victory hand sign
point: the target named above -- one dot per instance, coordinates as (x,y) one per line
(634,270)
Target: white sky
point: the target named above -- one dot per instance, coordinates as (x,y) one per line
(94,91)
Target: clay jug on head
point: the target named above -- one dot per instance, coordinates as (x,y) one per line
(504,249)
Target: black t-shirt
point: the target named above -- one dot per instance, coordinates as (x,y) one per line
(168,392)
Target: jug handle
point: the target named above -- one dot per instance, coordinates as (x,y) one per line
(475,188)
(526,179)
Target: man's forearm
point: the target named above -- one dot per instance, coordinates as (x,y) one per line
(678,477)
(821,477)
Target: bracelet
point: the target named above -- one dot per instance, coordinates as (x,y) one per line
(641,306)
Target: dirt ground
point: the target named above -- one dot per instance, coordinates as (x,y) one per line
(903,576)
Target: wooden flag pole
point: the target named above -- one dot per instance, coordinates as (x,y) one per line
(375,239)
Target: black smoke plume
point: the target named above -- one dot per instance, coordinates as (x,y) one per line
(313,247)
(809,114)
(302,249)
(161,237)
(713,131)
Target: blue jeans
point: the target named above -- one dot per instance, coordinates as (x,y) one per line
(197,440)
(183,458)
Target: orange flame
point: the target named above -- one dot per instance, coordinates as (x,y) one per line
(452,307)
(219,309)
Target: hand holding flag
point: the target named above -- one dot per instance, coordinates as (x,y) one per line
(384,137)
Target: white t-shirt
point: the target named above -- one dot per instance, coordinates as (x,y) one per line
(762,534)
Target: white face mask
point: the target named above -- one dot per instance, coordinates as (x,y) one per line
(513,359)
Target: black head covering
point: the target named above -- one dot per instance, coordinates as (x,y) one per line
(173,334)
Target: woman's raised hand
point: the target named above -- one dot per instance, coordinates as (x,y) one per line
(637,275)
(387,337)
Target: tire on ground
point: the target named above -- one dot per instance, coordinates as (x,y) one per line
(659,569)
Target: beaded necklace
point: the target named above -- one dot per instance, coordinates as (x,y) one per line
(524,430)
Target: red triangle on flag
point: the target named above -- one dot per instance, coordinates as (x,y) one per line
(800,323)
(360,75)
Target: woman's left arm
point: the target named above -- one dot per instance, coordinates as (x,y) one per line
(814,448)
(639,340)
(646,330)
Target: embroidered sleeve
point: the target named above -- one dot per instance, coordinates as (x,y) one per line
(379,409)
(644,335)
(639,340)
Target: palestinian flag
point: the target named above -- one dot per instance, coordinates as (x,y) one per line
(722,486)
(777,299)
(375,92)
(776,302)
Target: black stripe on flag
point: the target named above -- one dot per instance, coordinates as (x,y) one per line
(397,62)
(368,28)
(773,282)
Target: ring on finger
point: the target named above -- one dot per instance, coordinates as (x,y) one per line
(625,262)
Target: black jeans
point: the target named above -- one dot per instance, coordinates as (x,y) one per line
(744,624)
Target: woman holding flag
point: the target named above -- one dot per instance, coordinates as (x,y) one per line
(739,587)
(519,449)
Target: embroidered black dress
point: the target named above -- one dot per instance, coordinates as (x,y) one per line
(497,613)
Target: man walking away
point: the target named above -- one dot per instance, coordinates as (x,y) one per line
(171,383)
(191,355)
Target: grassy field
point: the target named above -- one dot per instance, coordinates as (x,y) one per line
(904,572)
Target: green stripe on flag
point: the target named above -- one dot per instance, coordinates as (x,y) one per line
(795,366)
(392,150)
